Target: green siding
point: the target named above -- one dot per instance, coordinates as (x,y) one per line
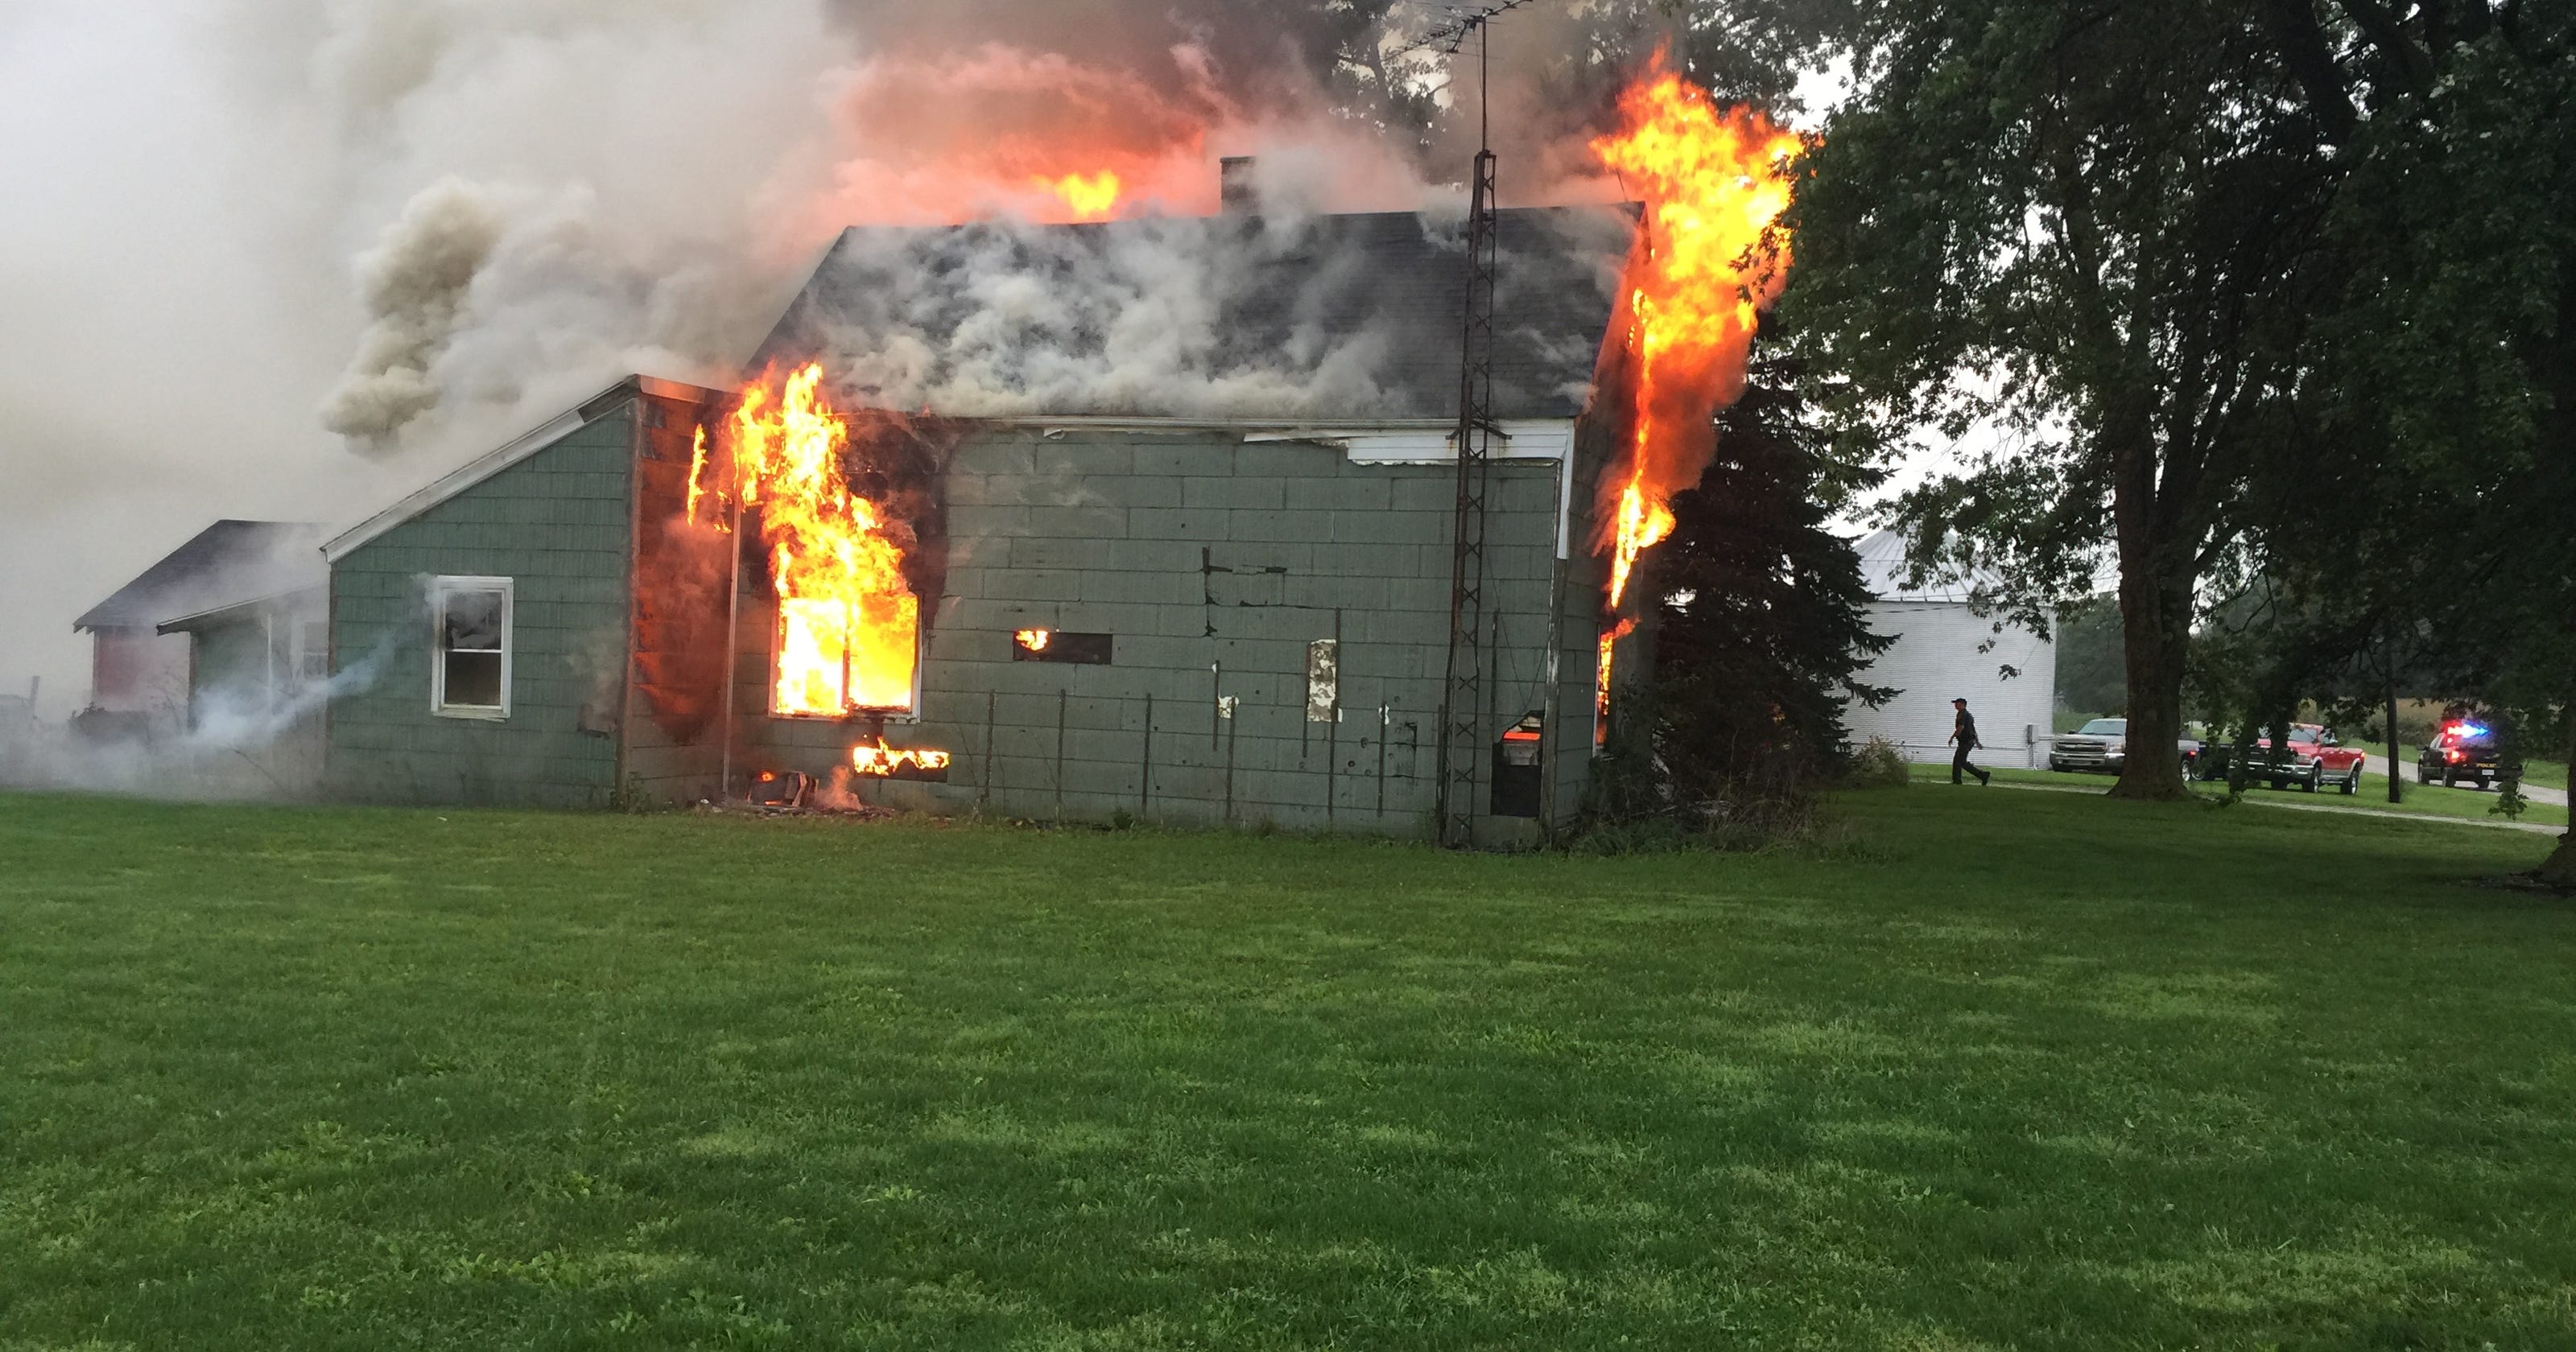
(557,523)
(234,674)
(1201,552)
(231,656)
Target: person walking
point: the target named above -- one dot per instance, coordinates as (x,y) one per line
(1963,731)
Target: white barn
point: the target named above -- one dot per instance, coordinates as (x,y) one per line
(1945,650)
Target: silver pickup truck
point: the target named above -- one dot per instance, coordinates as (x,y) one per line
(2103,745)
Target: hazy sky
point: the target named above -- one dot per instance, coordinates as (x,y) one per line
(189,186)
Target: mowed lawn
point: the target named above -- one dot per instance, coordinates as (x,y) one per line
(2420,800)
(2017,1070)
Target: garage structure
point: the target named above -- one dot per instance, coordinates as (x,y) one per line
(1947,648)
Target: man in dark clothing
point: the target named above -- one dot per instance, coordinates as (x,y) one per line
(1963,731)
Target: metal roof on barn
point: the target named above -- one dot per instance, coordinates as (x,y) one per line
(224,564)
(1883,570)
(1361,314)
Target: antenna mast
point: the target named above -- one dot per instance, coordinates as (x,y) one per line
(1465,701)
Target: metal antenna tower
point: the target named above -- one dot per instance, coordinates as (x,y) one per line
(1463,701)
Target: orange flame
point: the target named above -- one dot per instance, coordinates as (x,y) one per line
(1715,183)
(1035,640)
(1092,197)
(849,627)
(881,761)
(1601,687)
(697,470)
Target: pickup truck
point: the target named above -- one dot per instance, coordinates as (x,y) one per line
(2103,744)
(2462,751)
(2314,760)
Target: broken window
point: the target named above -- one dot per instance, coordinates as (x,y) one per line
(1056,645)
(469,670)
(1324,681)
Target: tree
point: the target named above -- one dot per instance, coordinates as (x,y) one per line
(2092,676)
(1761,631)
(2431,508)
(2068,224)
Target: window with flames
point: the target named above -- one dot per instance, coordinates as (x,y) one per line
(848,636)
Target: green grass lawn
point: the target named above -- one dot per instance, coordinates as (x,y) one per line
(2014,1070)
(2421,800)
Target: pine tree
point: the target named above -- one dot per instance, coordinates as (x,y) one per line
(1761,631)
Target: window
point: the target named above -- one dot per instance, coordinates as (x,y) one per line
(1324,681)
(314,657)
(1055,645)
(469,670)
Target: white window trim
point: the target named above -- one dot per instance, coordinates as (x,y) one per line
(439,590)
(307,651)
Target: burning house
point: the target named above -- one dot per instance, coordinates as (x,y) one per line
(1117,602)
(1153,518)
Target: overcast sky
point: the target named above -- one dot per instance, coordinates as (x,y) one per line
(190,183)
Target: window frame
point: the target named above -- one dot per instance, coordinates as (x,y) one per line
(909,713)
(312,659)
(441,588)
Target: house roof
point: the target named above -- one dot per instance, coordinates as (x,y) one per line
(502,457)
(247,608)
(224,564)
(1232,317)
(1883,571)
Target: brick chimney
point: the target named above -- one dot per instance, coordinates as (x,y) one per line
(1235,196)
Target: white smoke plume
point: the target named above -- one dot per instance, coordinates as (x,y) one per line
(416,283)
(1279,315)
(191,186)
(243,741)
(417,227)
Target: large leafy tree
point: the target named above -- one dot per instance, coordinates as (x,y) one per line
(2429,514)
(2071,226)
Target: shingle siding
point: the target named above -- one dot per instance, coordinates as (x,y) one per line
(1273,546)
(557,524)
(1212,564)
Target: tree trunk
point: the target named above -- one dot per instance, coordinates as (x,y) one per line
(2559,869)
(2557,368)
(2396,793)
(2158,643)
(2155,623)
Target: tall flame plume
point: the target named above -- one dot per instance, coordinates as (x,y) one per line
(1091,197)
(849,626)
(1715,182)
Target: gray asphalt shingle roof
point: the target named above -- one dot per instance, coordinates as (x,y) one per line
(226,563)
(1234,316)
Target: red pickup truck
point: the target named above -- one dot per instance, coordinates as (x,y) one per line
(2316,759)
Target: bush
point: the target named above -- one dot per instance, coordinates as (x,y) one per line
(1877,764)
(1769,799)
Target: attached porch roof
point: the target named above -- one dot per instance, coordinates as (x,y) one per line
(225,563)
